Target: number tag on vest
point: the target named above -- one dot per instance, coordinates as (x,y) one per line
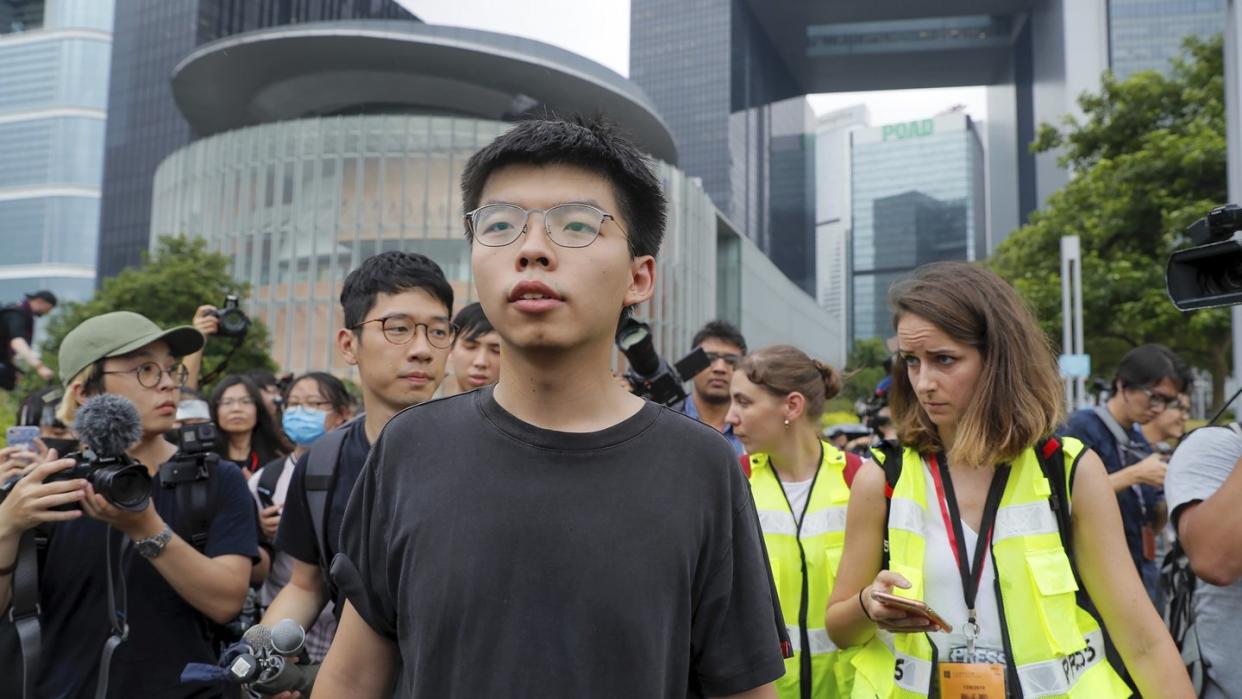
(972,681)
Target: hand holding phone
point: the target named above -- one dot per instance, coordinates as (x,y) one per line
(22,437)
(914,607)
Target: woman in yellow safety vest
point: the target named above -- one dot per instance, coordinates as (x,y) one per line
(800,492)
(972,513)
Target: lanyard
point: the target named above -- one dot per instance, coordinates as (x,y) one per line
(971,574)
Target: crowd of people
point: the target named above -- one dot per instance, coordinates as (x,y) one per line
(496,515)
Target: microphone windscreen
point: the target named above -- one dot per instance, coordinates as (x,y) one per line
(258,637)
(288,637)
(109,424)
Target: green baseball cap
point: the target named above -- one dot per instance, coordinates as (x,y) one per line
(117,333)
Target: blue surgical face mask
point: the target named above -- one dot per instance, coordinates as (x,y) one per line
(304,425)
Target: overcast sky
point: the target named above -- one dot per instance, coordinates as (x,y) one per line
(600,30)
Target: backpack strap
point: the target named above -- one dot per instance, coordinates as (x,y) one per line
(889,455)
(24,611)
(318,484)
(1125,441)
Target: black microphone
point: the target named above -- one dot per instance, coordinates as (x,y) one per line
(108,425)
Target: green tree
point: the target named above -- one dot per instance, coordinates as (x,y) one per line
(1148,159)
(168,287)
(864,368)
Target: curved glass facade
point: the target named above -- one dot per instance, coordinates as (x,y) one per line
(299,204)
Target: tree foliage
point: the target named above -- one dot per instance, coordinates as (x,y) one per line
(864,368)
(168,287)
(1148,159)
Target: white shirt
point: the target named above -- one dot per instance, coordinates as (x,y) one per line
(797,493)
(943,585)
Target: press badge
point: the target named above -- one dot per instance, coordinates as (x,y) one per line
(972,681)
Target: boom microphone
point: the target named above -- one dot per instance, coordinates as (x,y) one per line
(108,424)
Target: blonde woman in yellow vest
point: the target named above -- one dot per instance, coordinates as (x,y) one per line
(800,492)
(972,522)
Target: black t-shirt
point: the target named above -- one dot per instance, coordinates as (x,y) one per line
(296,535)
(15,321)
(508,560)
(165,632)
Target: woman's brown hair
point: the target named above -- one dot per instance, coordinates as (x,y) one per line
(785,369)
(1018,399)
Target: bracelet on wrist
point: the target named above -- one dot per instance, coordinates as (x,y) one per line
(864,606)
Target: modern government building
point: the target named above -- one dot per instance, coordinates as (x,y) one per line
(322,143)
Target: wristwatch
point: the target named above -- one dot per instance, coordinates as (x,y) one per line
(153,546)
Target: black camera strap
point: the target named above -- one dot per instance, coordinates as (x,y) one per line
(24,612)
(118,606)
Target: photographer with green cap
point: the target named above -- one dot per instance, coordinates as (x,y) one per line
(171,588)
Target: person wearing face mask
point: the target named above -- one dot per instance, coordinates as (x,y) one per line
(314,404)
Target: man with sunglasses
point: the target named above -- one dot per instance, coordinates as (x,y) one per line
(710,399)
(1148,380)
(171,586)
(398,333)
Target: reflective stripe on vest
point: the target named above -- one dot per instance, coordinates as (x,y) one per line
(820,541)
(1055,646)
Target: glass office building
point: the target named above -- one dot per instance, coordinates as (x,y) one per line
(151,37)
(917,196)
(53,97)
(1148,34)
(711,72)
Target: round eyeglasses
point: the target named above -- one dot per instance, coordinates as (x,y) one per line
(149,374)
(400,330)
(567,225)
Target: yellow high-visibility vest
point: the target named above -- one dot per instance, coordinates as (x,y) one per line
(1055,647)
(804,562)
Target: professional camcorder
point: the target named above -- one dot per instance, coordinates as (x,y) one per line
(108,425)
(1209,274)
(649,375)
(233,320)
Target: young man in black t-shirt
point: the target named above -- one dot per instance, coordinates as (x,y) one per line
(398,333)
(554,536)
(171,587)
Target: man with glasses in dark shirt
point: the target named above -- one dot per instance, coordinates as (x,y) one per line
(710,399)
(397,332)
(1148,380)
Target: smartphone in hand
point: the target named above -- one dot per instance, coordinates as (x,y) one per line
(915,607)
(22,436)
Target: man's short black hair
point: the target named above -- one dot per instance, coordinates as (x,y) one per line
(720,330)
(1148,365)
(392,272)
(593,145)
(472,323)
(42,295)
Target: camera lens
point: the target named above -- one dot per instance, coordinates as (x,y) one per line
(233,322)
(125,486)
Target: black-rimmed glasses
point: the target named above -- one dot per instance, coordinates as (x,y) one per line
(567,225)
(149,374)
(400,330)
(1159,400)
(730,358)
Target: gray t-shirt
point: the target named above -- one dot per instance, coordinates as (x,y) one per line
(1197,470)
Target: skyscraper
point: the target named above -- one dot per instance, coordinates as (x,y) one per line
(1148,34)
(53,96)
(151,37)
(741,123)
(832,217)
(917,197)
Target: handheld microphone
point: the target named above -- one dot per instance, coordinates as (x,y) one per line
(280,675)
(259,638)
(287,637)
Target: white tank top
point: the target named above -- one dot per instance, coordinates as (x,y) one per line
(943,588)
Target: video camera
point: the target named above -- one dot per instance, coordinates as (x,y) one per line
(233,320)
(1208,274)
(261,662)
(649,375)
